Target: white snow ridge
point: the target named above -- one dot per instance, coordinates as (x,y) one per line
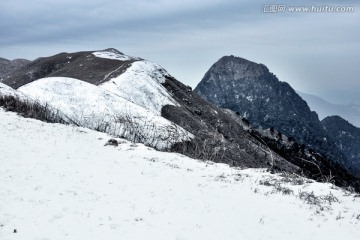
(5,90)
(141,84)
(61,182)
(96,108)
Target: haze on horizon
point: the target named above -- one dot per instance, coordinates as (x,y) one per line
(316,53)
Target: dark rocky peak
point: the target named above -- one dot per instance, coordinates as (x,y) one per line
(256,94)
(238,67)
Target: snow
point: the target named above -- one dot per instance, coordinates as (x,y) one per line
(114,55)
(141,84)
(61,182)
(5,90)
(93,107)
(250,98)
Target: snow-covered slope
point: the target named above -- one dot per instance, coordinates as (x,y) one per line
(95,108)
(5,90)
(141,84)
(61,182)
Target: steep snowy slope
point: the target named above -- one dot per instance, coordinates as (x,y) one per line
(61,182)
(96,108)
(141,84)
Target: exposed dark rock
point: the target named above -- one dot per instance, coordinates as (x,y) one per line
(256,94)
(219,137)
(250,89)
(112,142)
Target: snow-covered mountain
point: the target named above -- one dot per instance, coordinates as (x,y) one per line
(70,182)
(134,98)
(323,108)
(74,82)
(104,111)
(61,182)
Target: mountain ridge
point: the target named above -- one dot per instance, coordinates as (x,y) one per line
(9,66)
(219,135)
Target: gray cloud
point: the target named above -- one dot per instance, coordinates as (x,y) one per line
(316,53)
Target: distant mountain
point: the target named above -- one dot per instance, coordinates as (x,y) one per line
(8,66)
(255,93)
(350,112)
(347,138)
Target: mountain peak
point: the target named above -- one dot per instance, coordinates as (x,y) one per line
(113,50)
(239,67)
(251,90)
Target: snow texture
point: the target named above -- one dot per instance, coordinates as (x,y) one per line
(5,90)
(61,182)
(93,107)
(141,84)
(114,55)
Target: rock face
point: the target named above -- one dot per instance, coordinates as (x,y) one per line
(255,93)
(347,138)
(8,66)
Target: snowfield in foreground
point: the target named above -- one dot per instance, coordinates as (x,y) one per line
(61,182)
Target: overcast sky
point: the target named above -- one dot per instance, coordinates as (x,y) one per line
(316,53)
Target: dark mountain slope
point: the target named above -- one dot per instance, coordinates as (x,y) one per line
(81,65)
(7,66)
(347,139)
(218,136)
(250,89)
(224,136)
